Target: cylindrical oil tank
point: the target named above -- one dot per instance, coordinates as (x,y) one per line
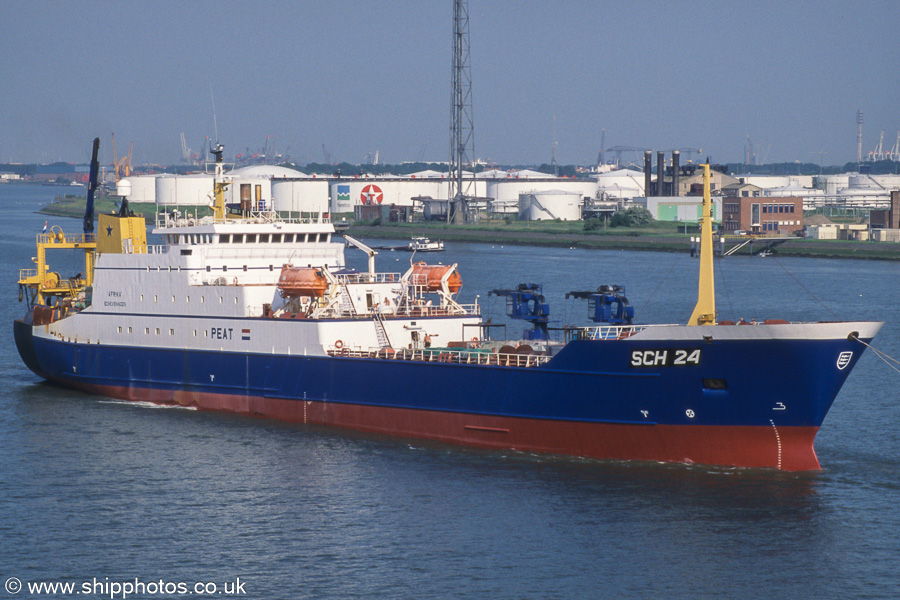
(309,195)
(429,277)
(624,183)
(542,206)
(184,190)
(141,188)
(509,189)
(302,281)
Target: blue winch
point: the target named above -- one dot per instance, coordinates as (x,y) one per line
(607,305)
(526,302)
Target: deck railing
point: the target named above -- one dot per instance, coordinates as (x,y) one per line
(351,278)
(164,220)
(449,356)
(50,238)
(610,332)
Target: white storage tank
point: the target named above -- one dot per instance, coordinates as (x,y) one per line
(138,188)
(308,195)
(506,191)
(550,205)
(184,190)
(254,184)
(620,184)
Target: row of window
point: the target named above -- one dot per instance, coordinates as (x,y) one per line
(247,238)
(766,226)
(731,207)
(775,225)
(156,331)
(170,268)
(778,208)
(187,299)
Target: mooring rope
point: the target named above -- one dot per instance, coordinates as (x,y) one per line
(808,291)
(720,263)
(888,359)
(884,356)
(649,300)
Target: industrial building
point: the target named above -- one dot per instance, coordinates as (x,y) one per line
(885,224)
(762,215)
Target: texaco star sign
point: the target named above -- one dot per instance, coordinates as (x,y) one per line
(371,194)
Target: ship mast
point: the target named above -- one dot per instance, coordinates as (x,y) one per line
(219,184)
(705,309)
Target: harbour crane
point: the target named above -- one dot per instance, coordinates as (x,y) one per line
(185,151)
(125,163)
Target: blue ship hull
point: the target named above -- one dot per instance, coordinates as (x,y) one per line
(778,391)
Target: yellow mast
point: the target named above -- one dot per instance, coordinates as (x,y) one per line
(705,309)
(219,185)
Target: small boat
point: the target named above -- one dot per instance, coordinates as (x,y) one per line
(424,244)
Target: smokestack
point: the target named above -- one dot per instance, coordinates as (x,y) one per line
(648,166)
(660,173)
(676,171)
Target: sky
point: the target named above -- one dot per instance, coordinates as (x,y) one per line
(359,77)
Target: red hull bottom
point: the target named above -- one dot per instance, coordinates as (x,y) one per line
(786,448)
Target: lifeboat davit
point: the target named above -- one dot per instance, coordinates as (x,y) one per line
(302,281)
(430,277)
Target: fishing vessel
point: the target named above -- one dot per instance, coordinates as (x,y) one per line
(254,314)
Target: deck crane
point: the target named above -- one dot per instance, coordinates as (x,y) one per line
(527,303)
(607,305)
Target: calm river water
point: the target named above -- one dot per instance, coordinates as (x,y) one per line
(100,493)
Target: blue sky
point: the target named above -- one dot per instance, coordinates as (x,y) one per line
(365,76)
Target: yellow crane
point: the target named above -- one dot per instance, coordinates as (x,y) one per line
(125,163)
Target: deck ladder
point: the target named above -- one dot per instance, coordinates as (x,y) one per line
(380,331)
(347,307)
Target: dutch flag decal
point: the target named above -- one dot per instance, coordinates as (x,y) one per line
(44,230)
(245,335)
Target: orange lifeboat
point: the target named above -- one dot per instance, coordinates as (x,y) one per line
(430,276)
(302,281)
